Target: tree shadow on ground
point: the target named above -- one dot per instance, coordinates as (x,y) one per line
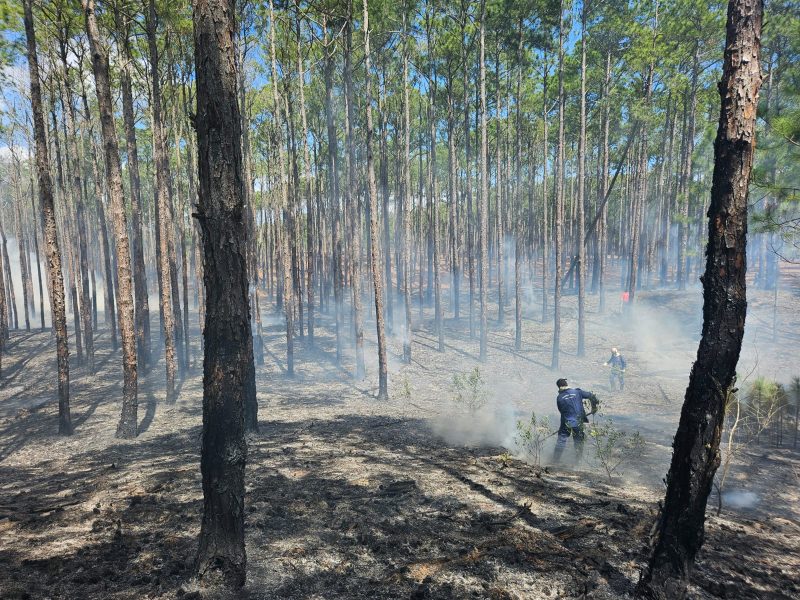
(352,507)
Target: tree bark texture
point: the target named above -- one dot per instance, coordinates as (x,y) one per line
(696,457)
(52,251)
(228,368)
(128,423)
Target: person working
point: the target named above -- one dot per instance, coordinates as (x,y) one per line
(573,416)
(618,364)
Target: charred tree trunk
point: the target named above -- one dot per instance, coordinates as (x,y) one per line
(52,250)
(695,458)
(228,368)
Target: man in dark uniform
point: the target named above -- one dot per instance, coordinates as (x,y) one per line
(573,416)
(618,364)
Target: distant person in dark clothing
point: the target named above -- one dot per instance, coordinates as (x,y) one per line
(573,416)
(618,364)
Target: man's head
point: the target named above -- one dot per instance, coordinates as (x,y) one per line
(614,351)
(561,383)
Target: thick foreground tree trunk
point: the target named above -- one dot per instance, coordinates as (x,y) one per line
(228,368)
(57,304)
(696,447)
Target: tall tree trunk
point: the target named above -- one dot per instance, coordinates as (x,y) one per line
(165,232)
(12,307)
(545,196)
(581,192)
(384,185)
(498,209)
(695,459)
(23,263)
(333,189)
(110,309)
(559,190)
(128,424)
(308,190)
(518,221)
(484,206)
(602,240)
(74,166)
(377,277)
(351,196)
(35,230)
(4,318)
(283,184)
(687,176)
(433,192)
(139,271)
(455,251)
(57,308)
(470,216)
(228,368)
(640,189)
(407,199)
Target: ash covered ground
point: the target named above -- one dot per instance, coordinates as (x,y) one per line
(348,497)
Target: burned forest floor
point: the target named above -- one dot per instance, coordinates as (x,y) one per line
(417,497)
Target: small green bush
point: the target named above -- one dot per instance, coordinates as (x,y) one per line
(531,436)
(469,390)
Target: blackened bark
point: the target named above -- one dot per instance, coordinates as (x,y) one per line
(228,368)
(696,457)
(47,208)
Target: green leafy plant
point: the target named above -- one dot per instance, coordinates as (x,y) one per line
(469,390)
(531,436)
(612,446)
(405,392)
(504,459)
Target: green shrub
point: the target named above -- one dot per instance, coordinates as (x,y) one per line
(469,390)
